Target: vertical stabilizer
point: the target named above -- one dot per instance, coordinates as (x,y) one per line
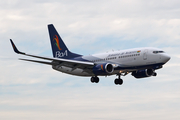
(59,49)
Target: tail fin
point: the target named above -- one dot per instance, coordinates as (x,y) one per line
(59,49)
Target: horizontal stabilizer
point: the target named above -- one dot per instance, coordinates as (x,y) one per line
(43,62)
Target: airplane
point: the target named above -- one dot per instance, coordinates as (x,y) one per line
(140,62)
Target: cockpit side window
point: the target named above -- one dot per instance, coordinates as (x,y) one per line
(161,51)
(155,52)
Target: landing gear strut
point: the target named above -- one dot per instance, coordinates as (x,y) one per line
(118,81)
(94,79)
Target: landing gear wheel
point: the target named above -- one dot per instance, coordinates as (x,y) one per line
(118,81)
(155,74)
(94,79)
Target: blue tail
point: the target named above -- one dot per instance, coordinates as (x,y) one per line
(59,49)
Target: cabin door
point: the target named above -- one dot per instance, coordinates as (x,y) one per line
(145,55)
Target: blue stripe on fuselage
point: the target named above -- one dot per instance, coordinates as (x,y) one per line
(152,66)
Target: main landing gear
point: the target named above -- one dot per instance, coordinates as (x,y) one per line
(94,79)
(118,81)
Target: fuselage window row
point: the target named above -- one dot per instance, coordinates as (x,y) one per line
(115,57)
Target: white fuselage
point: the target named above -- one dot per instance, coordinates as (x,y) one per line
(124,58)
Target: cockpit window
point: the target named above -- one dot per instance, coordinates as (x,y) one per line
(158,52)
(161,51)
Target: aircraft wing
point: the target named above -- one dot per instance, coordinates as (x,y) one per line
(55,61)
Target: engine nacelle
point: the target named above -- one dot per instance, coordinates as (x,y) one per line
(143,73)
(103,69)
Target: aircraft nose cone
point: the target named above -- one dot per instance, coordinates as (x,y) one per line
(166,58)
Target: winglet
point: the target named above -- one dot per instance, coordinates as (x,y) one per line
(15,49)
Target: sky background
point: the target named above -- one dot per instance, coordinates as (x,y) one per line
(31,91)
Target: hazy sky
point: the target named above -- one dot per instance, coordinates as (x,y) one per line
(31,91)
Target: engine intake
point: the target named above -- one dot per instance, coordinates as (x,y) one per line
(143,73)
(103,69)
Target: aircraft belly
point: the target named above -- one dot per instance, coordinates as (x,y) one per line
(71,71)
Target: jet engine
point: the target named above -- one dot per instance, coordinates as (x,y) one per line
(143,73)
(103,69)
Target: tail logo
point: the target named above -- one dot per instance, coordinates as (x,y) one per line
(57,42)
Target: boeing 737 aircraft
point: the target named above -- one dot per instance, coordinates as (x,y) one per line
(140,62)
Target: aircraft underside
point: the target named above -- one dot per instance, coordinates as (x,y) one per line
(71,71)
(89,72)
(137,72)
